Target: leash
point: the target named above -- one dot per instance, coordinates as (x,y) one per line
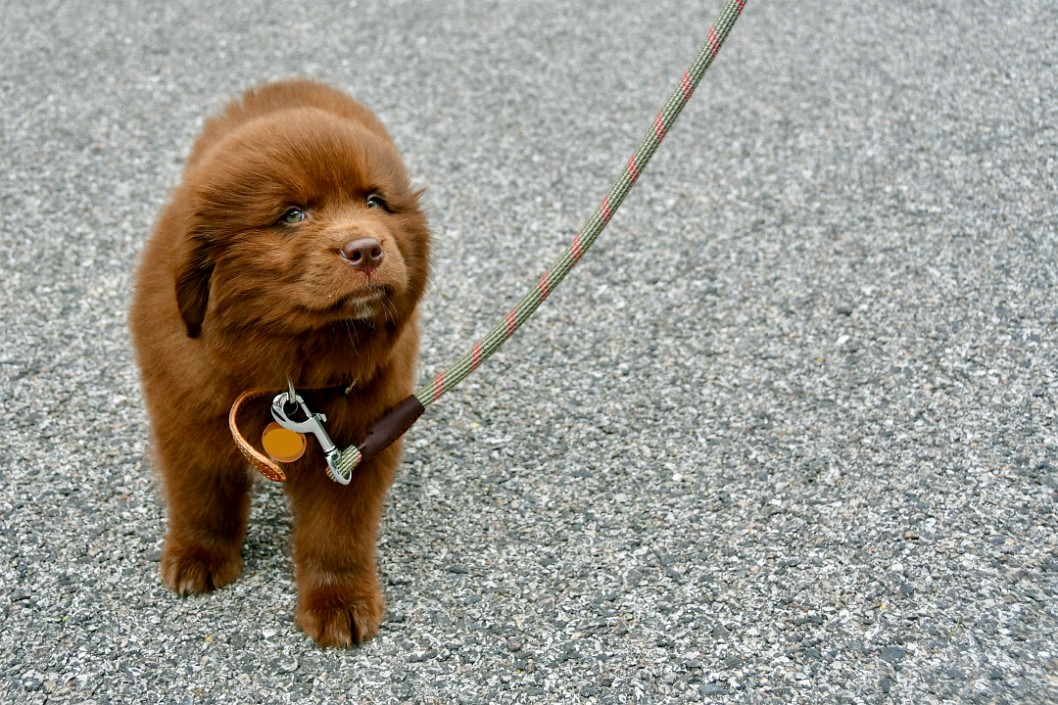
(397,421)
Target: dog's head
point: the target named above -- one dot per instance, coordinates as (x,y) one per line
(298,220)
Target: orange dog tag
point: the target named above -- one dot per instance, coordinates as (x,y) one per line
(282,444)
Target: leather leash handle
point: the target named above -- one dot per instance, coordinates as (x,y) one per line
(391,426)
(388,428)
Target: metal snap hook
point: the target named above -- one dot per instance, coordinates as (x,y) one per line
(313,423)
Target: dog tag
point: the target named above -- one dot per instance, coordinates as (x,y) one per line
(282,444)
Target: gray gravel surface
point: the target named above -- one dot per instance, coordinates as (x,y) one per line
(799,445)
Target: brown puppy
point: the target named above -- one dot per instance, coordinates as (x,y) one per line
(294,248)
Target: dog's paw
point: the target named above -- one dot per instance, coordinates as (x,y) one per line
(191,569)
(341,615)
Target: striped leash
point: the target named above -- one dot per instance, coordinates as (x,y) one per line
(395,422)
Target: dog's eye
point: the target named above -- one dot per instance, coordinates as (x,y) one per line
(293,215)
(376,201)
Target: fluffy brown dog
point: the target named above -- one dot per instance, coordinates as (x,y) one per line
(294,248)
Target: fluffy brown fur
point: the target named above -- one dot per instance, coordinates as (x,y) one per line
(237,291)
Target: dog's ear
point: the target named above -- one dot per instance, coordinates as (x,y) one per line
(192,286)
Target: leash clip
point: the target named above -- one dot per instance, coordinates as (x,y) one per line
(313,424)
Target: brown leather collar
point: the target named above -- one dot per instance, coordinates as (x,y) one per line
(265,465)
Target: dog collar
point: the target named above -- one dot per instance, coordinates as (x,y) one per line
(283,440)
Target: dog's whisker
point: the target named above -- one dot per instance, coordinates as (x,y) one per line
(354,332)
(389,311)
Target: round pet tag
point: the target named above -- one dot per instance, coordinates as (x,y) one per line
(282,444)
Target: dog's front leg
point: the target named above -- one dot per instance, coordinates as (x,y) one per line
(335,532)
(207,491)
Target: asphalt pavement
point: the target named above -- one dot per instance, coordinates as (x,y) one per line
(786,435)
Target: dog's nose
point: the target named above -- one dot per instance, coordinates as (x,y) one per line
(363,253)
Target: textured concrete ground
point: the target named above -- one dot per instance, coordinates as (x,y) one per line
(800,447)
